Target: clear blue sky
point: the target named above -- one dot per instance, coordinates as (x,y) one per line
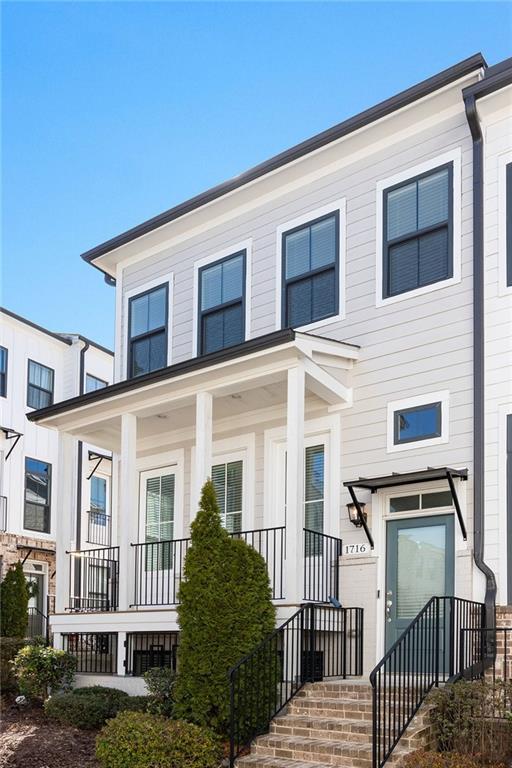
(113,112)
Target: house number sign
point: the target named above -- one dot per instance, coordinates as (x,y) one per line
(356,549)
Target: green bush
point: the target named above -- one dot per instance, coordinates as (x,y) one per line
(160,683)
(14,597)
(91,707)
(225,611)
(9,647)
(136,740)
(423,759)
(40,670)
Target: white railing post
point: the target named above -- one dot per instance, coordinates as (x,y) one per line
(128,509)
(201,471)
(294,566)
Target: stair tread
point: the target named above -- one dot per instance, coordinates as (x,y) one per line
(277,762)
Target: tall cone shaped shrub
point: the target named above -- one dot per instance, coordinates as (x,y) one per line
(14,597)
(225,610)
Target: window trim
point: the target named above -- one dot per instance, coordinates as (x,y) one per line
(52,391)
(337,207)
(454,157)
(49,505)
(413,403)
(225,305)
(92,376)
(225,253)
(6,369)
(135,293)
(387,244)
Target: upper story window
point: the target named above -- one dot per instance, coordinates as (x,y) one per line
(222,303)
(147,337)
(92,383)
(228,481)
(3,372)
(37,495)
(508,194)
(418,237)
(422,422)
(310,268)
(40,385)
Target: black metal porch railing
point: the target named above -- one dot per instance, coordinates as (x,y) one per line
(3,514)
(145,650)
(487,653)
(159,567)
(427,653)
(94,579)
(99,528)
(316,642)
(37,623)
(95,652)
(270,543)
(321,566)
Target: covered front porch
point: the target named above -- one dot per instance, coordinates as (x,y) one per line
(262,419)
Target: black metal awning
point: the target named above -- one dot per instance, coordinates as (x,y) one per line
(431,474)
(11,434)
(30,549)
(98,458)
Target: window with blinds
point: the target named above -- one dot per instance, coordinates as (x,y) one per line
(159,521)
(147,338)
(221,304)
(314,496)
(310,272)
(418,232)
(228,481)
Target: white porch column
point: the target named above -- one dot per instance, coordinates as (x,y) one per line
(203,453)
(128,510)
(65,518)
(295,486)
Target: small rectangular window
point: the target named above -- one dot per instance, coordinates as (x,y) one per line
(508,209)
(98,500)
(40,385)
(404,503)
(3,372)
(310,270)
(222,303)
(418,232)
(420,423)
(436,499)
(228,481)
(147,333)
(37,495)
(92,383)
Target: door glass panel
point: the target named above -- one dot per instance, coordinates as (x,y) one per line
(421,568)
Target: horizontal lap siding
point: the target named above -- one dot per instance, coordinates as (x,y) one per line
(498,352)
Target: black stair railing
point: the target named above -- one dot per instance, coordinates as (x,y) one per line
(317,641)
(427,653)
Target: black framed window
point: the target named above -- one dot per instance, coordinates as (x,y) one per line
(508,194)
(37,495)
(222,303)
(147,335)
(39,385)
(418,232)
(3,371)
(92,383)
(310,269)
(419,423)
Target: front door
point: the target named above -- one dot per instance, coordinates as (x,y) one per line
(419,565)
(156,562)
(36,604)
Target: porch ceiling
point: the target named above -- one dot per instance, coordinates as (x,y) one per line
(253,376)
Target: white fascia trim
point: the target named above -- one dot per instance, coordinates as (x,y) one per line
(337,206)
(162,280)
(244,245)
(412,402)
(503,161)
(455,157)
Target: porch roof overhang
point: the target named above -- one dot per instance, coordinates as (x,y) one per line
(430,474)
(259,362)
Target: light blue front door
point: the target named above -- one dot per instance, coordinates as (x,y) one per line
(419,565)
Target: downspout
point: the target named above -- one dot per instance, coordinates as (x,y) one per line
(479,360)
(81,382)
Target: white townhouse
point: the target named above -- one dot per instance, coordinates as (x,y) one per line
(37,369)
(327,336)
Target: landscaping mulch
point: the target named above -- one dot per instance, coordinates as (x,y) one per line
(30,740)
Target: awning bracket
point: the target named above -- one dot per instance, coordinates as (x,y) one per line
(11,434)
(456,504)
(361,517)
(98,457)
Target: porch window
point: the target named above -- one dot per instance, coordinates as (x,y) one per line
(222,304)
(37,495)
(3,372)
(310,272)
(147,342)
(39,385)
(159,521)
(418,232)
(98,500)
(314,496)
(228,481)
